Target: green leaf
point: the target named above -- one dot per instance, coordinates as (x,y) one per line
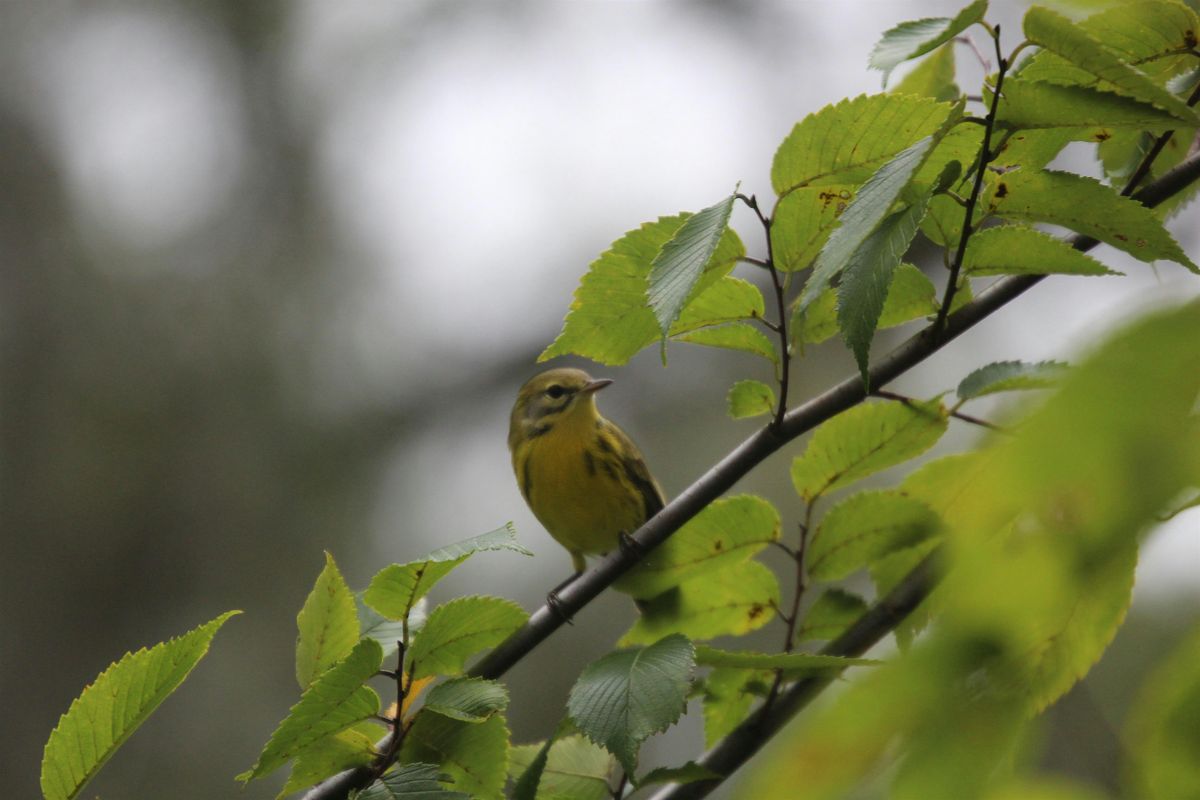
(1163,732)
(943,483)
(395,589)
(328,625)
(609,320)
(1007,376)
(887,573)
(575,769)
(1017,250)
(467,699)
(727,300)
(411,782)
(687,773)
(733,336)
(625,697)
(933,77)
(1155,36)
(847,142)
(864,440)
(732,602)
(867,278)
(866,212)
(353,747)
(1089,207)
(334,701)
(1030,104)
(793,664)
(750,399)
(112,707)
(725,533)
(1059,35)
(459,629)
(803,220)
(911,296)
(833,612)
(865,527)
(682,260)
(911,39)
(475,757)
(728,695)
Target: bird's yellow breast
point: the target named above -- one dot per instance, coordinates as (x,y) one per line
(574,480)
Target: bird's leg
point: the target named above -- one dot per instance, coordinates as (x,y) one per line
(552,600)
(629,546)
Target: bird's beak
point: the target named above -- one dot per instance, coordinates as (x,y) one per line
(596,385)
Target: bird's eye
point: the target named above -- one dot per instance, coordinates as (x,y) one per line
(555,391)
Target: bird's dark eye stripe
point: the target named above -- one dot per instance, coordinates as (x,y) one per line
(556,391)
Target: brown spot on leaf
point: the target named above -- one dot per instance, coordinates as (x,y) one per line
(755,611)
(1102,136)
(718,545)
(1121,236)
(1001,190)
(1189,39)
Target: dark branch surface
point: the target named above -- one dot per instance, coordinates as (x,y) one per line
(732,468)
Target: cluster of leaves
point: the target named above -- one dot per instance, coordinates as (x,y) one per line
(1038,528)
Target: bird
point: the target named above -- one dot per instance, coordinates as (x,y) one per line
(585,480)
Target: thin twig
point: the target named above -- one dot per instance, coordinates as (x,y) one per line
(985,155)
(785,356)
(789,638)
(970,42)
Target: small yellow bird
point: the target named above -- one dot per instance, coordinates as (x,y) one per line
(582,476)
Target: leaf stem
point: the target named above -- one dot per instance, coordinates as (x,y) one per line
(985,156)
(954,412)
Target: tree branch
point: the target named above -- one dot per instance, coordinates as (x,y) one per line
(732,468)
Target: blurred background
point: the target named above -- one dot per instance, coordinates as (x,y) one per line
(271,274)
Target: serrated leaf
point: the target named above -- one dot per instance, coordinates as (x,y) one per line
(1089,207)
(687,773)
(682,260)
(334,701)
(609,320)
(727,300)
(867,278)
(917,37)
(725,533)
(911,296)
(1059,35)
(575,769)
(847,142)
(933,77)
(833,612)
(114,705)
(627,696)
(945,483)
(475,757)
(1007,376)
(866,212)
(395,589)
(728,695)
(459,629)
(328,625)
(749,398)
(863,440)
(733,336)
(1162,731)
(1155,36)
(353,747)
(412,782)
(865,527)
(467,699)
(1029,104)
(1017,250)
(793,664)
(732,602)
